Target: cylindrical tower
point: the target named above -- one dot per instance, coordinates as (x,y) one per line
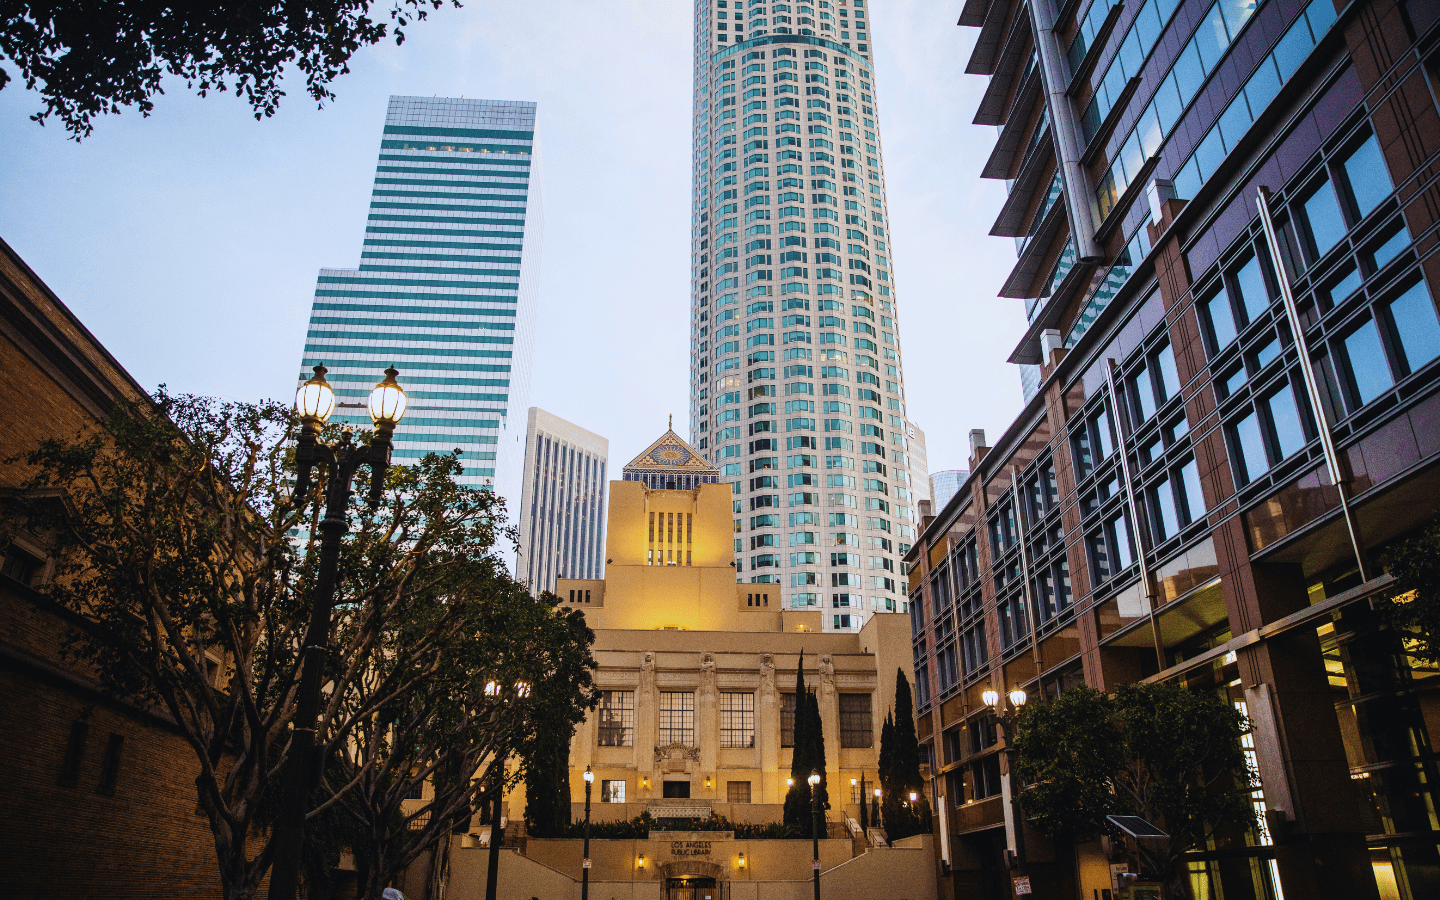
(796,391)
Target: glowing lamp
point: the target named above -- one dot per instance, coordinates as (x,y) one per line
(814,779)
(315,400)
(991,697)
(589,776)
(1017,698)
(387,400)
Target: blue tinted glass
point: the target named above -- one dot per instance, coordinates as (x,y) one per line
(1369,179)
(1344,287)
(1415,323)
(1237,13)
(1188,180)
(1209,154)
(1234,122)
(1390,248)
(1211,39)
(1169,376)
(1167,104)
(1263,85)
(1167,523)
(1189,72)
(1147,26)
(1148,128)
(1266,354)
(1322,211)
(1321,14)
(1131,56)
(1132,158)
(1285,416)
(1144,395)
(1293,48)
(1120,529)
(1254,295)
(1236,380)
(1222,320)
(1367,363)
(1251,447)
(1194,497)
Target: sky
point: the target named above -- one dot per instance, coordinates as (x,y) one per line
(188,242)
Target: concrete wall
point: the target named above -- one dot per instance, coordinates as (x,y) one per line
(521,878)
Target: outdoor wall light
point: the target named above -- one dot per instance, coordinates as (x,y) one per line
(589,776)
(315,399)
(387,400)
(742,859)
(640,863)
(1017,698)
(707,782)
(991,697)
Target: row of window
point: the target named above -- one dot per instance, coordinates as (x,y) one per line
(616,719)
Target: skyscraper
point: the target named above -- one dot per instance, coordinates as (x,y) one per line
(795,380)
(562,502)
(446,286)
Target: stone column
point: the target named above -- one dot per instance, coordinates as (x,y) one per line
(767,733)
(647,705)
(707,728)
(830,725)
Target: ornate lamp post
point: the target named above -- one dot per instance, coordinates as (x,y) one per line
(315,401)
(585,866)
(497,830)
(1006,720)
(864,817)
(814,780)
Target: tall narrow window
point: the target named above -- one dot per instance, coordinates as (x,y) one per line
(1249,444)
(1368,177)
(1369,372)
(1221,318)
(787,720)
(856,721)
(110,766)
(677,718)
(1285,416)
(617,719)
(74,754)
(737,720)
(1415,325)
(1322,214)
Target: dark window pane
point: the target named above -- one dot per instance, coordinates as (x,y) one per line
(1222,320)
(1285,415)
(1368,368)
(1254,295)
(1322,211)
(1369,179)
(1415,324)
(1251,446)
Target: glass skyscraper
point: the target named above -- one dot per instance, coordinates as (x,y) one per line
(446,286)
(796,390)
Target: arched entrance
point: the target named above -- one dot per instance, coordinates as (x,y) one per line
(692,880)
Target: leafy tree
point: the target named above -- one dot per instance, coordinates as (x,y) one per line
(900,767)
(1157,751)
(89,57)
(187,590)
(1415,606)
(545,752)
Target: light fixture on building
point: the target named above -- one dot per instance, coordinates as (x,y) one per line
(707,782)
(742,859)
(645,782)
(640,863)
(991,697)
(814,779)
(1017,698)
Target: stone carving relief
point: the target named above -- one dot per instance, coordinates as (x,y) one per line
(767,673)
(675,758)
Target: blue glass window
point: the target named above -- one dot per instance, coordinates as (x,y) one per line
(1369,371)
(1190,486)
(1390,247)
(1368,177)
(1222,320)
(1285,416)
(1165,519)
(1250,446)
(1169,375)
(1415,324)
(1250,284)
(1322,213)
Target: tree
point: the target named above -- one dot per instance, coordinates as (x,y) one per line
(815,736)
(187,590)
(900,767)
(545,751)
(797,798)
(1157,751)
(90,57)
(1414,608)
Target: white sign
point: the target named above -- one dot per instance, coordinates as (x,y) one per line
(1022,885)
(815,865)
(585,864)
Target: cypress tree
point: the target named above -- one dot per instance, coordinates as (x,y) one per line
(900,766)
(797,798)
(815,731)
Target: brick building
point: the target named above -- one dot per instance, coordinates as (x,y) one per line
(98,798)
(1236,405)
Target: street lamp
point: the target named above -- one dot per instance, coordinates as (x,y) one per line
(1006,720)
(497,836)
(814,780)
(864,819)
(875,809)
(585,865)
(315,402)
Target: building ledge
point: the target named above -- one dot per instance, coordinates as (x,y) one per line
(972,15)
(1028,266)
(987,45)
(1010,66)
(1027,351)
(1011,222)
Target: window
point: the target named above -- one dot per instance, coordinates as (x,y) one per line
(675,790)
(612,792)
(976,652)
(1254,292)
(1220,318)
(677,718)
(1369,372)
(1110,551)
(1249,446)
(1413,315)
(1322,217)
(856,721)
(787,720)
(110,766)
(737,791)
(74,754)
(1285,419)
(1093,442)
(737,720)
(1369,179)
(617,719)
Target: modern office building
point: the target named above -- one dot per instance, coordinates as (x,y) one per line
(944,485)
(446,288)
(1227,218)
(795,372)
(562,503)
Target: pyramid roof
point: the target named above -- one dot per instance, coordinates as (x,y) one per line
(671,453)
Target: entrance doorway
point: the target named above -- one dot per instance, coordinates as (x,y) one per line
(691,887)
(676,790)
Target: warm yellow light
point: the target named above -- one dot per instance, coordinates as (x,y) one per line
(589,776)
(991,697)
(315,399)
(742,859)
(522,689)
(1017,698)
(814,779)
(641,861)
(707,781)
(492,688)
(387,400)
(853,782)
(913,796)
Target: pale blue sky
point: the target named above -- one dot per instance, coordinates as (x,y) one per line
(189,242)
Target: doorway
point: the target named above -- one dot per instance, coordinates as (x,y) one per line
(691,887)
(676,790)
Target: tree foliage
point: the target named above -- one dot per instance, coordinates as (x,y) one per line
(1158,751)
(900,768)
(545,751)
(187,590)
(90,57)
(808,756)
(1415,606)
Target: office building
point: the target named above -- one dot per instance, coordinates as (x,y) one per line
(562,502)
(944,485)
(1226,215)
(446,287)
(795,371)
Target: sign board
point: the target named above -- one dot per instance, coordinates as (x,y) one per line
(815,865)
(585,864)
(1022,885)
